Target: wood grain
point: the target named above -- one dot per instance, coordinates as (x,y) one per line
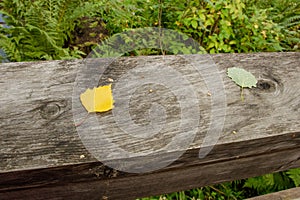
(43,157)
(291,194)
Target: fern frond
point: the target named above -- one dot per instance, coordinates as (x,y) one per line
(40,29)
(294,174)
(262,184)
(291,21)
(10,48)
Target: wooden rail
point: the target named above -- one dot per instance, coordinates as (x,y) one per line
(43,157)
(290,194)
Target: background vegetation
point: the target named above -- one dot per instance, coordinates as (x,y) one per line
(65,29)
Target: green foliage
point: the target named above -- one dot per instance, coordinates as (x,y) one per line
(294,174)
(229,26)
(285,13)
(218,25)
(270,183)
(47,29)
(167,41)
(39,29)
(128,14)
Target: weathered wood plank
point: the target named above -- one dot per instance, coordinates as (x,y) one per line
(290,194)
(94,181)
(39,139)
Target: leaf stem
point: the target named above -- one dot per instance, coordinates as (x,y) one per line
(242,93)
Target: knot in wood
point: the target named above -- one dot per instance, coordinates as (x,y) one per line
(266,85)
(50,110)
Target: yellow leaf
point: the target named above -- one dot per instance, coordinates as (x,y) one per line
(98,99)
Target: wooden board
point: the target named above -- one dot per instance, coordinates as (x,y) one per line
(43,155)
(291,194)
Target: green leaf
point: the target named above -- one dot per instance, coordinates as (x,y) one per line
(242,77)
(294,174)
(194,24)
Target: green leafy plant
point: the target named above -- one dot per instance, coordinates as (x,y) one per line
(129,14)
(229,26)
(165,40)
(39,30)
(286,13)
(242,78)
(62,29)
(294,175)
(273,182)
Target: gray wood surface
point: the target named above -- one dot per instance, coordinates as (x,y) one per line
(44,156)
(289,194)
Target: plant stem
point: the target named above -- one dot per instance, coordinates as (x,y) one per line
(242,93)
(159,26)
(215,189)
